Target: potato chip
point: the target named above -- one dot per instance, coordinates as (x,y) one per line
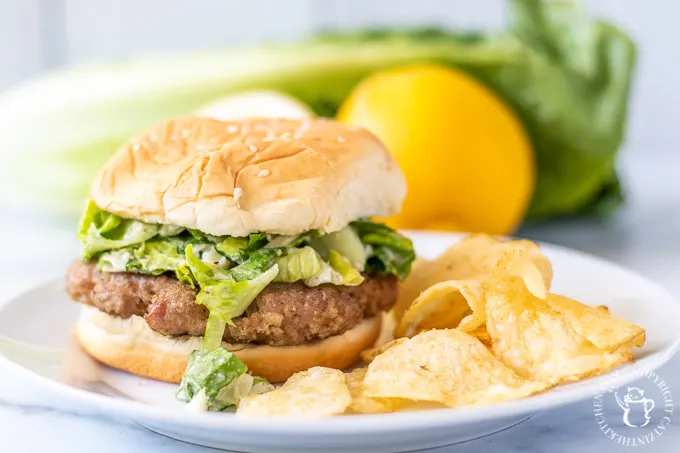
(315,393)
(363,404)
(539,342)
(517,261)
(481,334)
(368,355)
(602,308)
(451,304)
(445,366)
(602,329)
(473,258)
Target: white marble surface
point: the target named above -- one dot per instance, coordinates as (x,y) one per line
(644,237)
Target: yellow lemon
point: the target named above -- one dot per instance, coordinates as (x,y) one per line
(467,159)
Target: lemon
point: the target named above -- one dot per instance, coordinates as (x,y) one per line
(467,159)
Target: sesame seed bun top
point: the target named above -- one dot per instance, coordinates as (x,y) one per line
(240,177)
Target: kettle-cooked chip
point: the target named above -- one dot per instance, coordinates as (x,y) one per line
(368,355)
(539,342)
(451,304)
(597,326)
(364,404)
(482,335)
(315,393)
(445,366)
(518,262)
(473,258)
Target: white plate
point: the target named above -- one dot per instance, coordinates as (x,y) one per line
(44,317)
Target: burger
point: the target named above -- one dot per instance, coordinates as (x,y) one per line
(251,238)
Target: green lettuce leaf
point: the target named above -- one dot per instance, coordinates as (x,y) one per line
(216,380)
(293,241)
(299,264)
(346,242)
(205,274)
(115,260)
(100,230)
(242,386)
(350,276)
(239,249)
(170,230)
(156,257)
(391,253)
(233,248)
(184,275)
(258,262)
(224,297)
(209,372)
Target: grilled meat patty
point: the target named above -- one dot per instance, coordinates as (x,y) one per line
(282,314)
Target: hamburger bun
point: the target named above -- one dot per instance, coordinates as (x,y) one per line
(131,345)
(241,177)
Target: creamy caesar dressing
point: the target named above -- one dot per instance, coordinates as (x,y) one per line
(209,254)
(327,275)
(115,261)
(199,403)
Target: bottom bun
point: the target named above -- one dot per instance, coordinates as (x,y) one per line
(131,345)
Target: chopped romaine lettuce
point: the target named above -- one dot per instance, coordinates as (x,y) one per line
(233,248)
(224,297)
(115,260)
(258,262)
(242,386)
(293,241)
(299,264)
(341,265)
(215,380)
(326,275)
(229,299)
(100,230)
(184,275)
(170,230)
(347,243)
(205,274)
(156,257)
(209,254)
(255,242)
(391,253)
(209,372)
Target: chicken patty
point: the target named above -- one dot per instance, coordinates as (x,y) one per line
(282,314)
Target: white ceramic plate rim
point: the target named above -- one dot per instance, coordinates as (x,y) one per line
(374,422)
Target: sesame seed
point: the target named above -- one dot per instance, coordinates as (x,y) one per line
(268,139)
(341,139)
(185,133)
(238,193)
(286,136)
(298,136)
(263,173)
(201,147)
(153,136)
(232,129)
(173,138)
(252,148)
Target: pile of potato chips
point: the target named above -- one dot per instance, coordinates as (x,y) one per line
(477,325)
